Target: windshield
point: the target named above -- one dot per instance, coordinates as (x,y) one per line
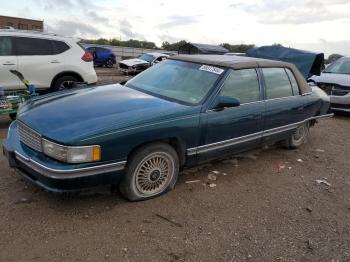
(148,58)
(342,66)
(177,80)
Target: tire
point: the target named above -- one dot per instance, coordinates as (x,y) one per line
(109,63)
(64,82)
(299,137)
(145,177)
(13,116)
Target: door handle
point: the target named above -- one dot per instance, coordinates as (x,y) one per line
(8,64)
(55,62)
(300,108)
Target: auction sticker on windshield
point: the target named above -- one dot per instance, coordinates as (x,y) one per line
(212,69)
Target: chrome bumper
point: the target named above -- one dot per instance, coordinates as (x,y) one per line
(69,173)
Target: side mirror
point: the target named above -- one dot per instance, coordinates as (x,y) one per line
(223,102)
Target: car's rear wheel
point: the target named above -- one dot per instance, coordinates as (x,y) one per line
(151,171)
(64,82)
(109,63)
(299,137)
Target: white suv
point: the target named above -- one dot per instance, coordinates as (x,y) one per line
(48,61)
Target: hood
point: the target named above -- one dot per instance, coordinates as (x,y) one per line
(329,78)
(70,116)
(134,61)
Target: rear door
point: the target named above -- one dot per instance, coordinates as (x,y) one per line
(283,104)
(37,61)
(8,61)
(239,128)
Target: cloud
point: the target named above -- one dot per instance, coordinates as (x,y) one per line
(97,18)
(127,30)
(68,5)
(294,11)
(178,20)
(72,28)
(327,47)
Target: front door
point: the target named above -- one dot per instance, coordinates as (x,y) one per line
(8,61)
(236,129)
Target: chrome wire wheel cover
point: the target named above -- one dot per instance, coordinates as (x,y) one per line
(300,133)
(154,173)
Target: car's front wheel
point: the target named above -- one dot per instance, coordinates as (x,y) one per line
(151,171)
(299,137)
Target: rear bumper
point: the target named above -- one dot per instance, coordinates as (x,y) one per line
(57,177)
(91,79)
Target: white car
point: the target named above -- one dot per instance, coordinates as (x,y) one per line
(136,65)
(335,81)
(48,61)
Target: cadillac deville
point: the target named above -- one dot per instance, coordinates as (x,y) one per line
(178,113)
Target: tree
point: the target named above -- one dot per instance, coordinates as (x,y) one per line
(114,42)
(277,45)
(174,46)
(242,48)
(332,58)
(102,41)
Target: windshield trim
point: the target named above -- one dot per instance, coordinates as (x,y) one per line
(211,89)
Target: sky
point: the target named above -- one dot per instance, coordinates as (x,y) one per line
(315,25)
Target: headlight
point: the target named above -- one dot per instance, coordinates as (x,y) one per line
(71,154)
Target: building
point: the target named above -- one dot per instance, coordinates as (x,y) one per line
(21,23)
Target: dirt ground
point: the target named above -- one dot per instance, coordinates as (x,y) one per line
(252,212)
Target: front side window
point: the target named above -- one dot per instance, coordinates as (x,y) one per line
(242,84)
(177,80)
(277,83)
(6,46)
(26,46)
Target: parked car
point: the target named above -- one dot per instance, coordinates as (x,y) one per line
(137,65)
(102,56)
(178,113)
(335,81)
(48,61)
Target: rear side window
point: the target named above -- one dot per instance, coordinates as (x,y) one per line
(277,83)
(242,84)
(26,46)
(59,47)
(6,46)
(294,82)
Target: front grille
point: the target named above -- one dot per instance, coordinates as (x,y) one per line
(334,89)
(29,137)
(340,92)
(326,87)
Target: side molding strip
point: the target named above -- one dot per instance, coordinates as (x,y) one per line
(251,137)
